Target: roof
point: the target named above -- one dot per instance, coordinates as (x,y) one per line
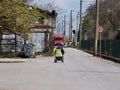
(41,28)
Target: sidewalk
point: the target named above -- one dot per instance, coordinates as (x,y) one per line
(13,60)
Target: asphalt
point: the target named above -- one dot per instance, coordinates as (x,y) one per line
(80,71)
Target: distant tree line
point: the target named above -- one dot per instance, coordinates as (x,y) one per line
(109,19)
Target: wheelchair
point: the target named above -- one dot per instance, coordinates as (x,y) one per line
(59,59)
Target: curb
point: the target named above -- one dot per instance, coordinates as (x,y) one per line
(117,60)
(12,60)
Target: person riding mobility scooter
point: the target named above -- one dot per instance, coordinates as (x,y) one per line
(59,54)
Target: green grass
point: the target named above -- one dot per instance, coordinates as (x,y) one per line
(48,53)
(9,55)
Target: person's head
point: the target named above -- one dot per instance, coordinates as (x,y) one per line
(58,46)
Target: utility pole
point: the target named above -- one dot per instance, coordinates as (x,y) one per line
(96,28)
(64,25)
(59,27)
(76,33)
(71,25)
(70,28)
(80,27)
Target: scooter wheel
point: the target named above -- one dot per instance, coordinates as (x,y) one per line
(55,61)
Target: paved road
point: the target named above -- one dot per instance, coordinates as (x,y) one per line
(80,71)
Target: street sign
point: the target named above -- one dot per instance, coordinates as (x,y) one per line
(100,29)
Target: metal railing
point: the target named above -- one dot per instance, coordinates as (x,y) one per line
(108,47)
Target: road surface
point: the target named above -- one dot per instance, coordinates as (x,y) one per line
(80,71)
